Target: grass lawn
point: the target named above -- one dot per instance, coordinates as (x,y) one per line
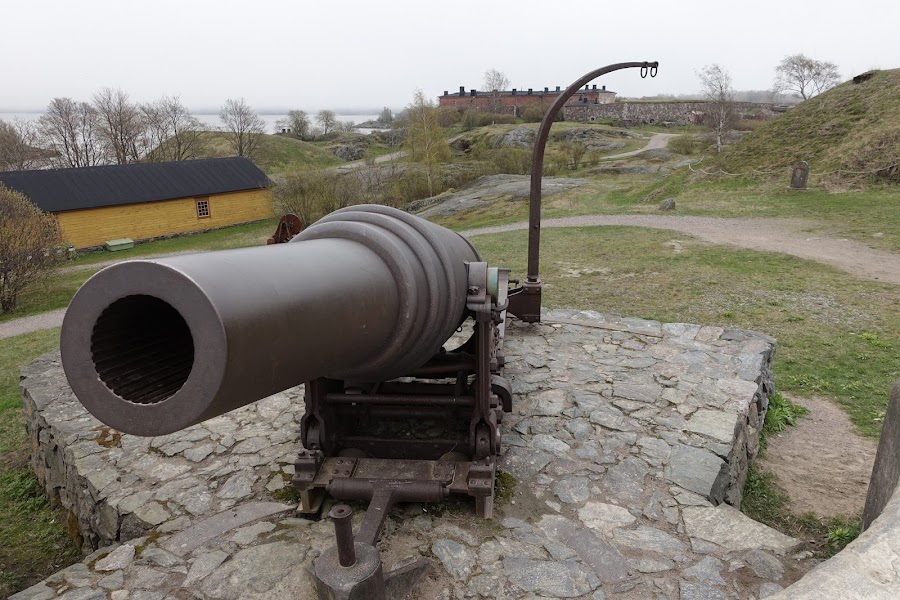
(275,154)
(33,538)
(856,214)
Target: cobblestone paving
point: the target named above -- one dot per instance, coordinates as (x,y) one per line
(628,440)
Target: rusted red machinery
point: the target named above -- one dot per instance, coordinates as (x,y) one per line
(288,226)
(359,307)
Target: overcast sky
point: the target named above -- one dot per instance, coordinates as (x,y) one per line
(282,54)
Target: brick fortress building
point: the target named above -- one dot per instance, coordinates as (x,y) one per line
(515,100)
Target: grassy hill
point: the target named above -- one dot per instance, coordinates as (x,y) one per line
(276,153)
(854,127)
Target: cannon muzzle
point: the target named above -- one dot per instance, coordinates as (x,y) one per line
(368,293)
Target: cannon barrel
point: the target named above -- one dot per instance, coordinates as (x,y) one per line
(367,293)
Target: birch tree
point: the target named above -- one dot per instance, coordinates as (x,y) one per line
(426,140)
(720,100)
(804,77)
(495,82)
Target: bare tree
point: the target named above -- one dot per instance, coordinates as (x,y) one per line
(71,130)
(327,120)
(174,133)
(298,121)
(121,126)
(495,82)
(720,100)
(245,128)
(30,245)
(425,138)
(311,194)
(576,151)
(19,146)
(805,77)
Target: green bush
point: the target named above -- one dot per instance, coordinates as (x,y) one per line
(476,118)
(412,185)
(533,114)
(448,116)
(684,144)
(514,161)
(313,194)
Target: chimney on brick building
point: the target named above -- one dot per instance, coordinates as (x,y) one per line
(514,91)
(472,93)
(529,91)
(595,86)
(557,88)
(446,93)
(462,90)
(546,90)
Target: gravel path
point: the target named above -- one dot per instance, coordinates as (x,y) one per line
(46,320)
(659,140)
(54,318)
(770,235)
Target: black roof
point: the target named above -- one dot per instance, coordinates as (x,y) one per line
(57,190)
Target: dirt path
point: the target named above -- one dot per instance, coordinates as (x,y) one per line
(657,141)
(822,464)
(771,235)
(53,318)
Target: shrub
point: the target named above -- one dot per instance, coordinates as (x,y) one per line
(514,161)
(684,144)
(313,194)
(412,185)
(448,116)
(476,118)
(30,245)
(533,114)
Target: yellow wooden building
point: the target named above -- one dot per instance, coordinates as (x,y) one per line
(145,201)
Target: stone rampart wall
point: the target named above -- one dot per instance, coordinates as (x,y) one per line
(651,113)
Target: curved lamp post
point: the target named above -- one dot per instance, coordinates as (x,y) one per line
(525,301)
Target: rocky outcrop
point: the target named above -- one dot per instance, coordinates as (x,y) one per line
(488,189)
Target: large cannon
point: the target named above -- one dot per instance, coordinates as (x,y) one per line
(359,307)
(366,294)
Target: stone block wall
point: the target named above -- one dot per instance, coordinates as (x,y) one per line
(118,487)
(651,113)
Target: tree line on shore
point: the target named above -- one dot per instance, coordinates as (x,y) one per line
(112,129)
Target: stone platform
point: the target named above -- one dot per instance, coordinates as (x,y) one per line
(628,441)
